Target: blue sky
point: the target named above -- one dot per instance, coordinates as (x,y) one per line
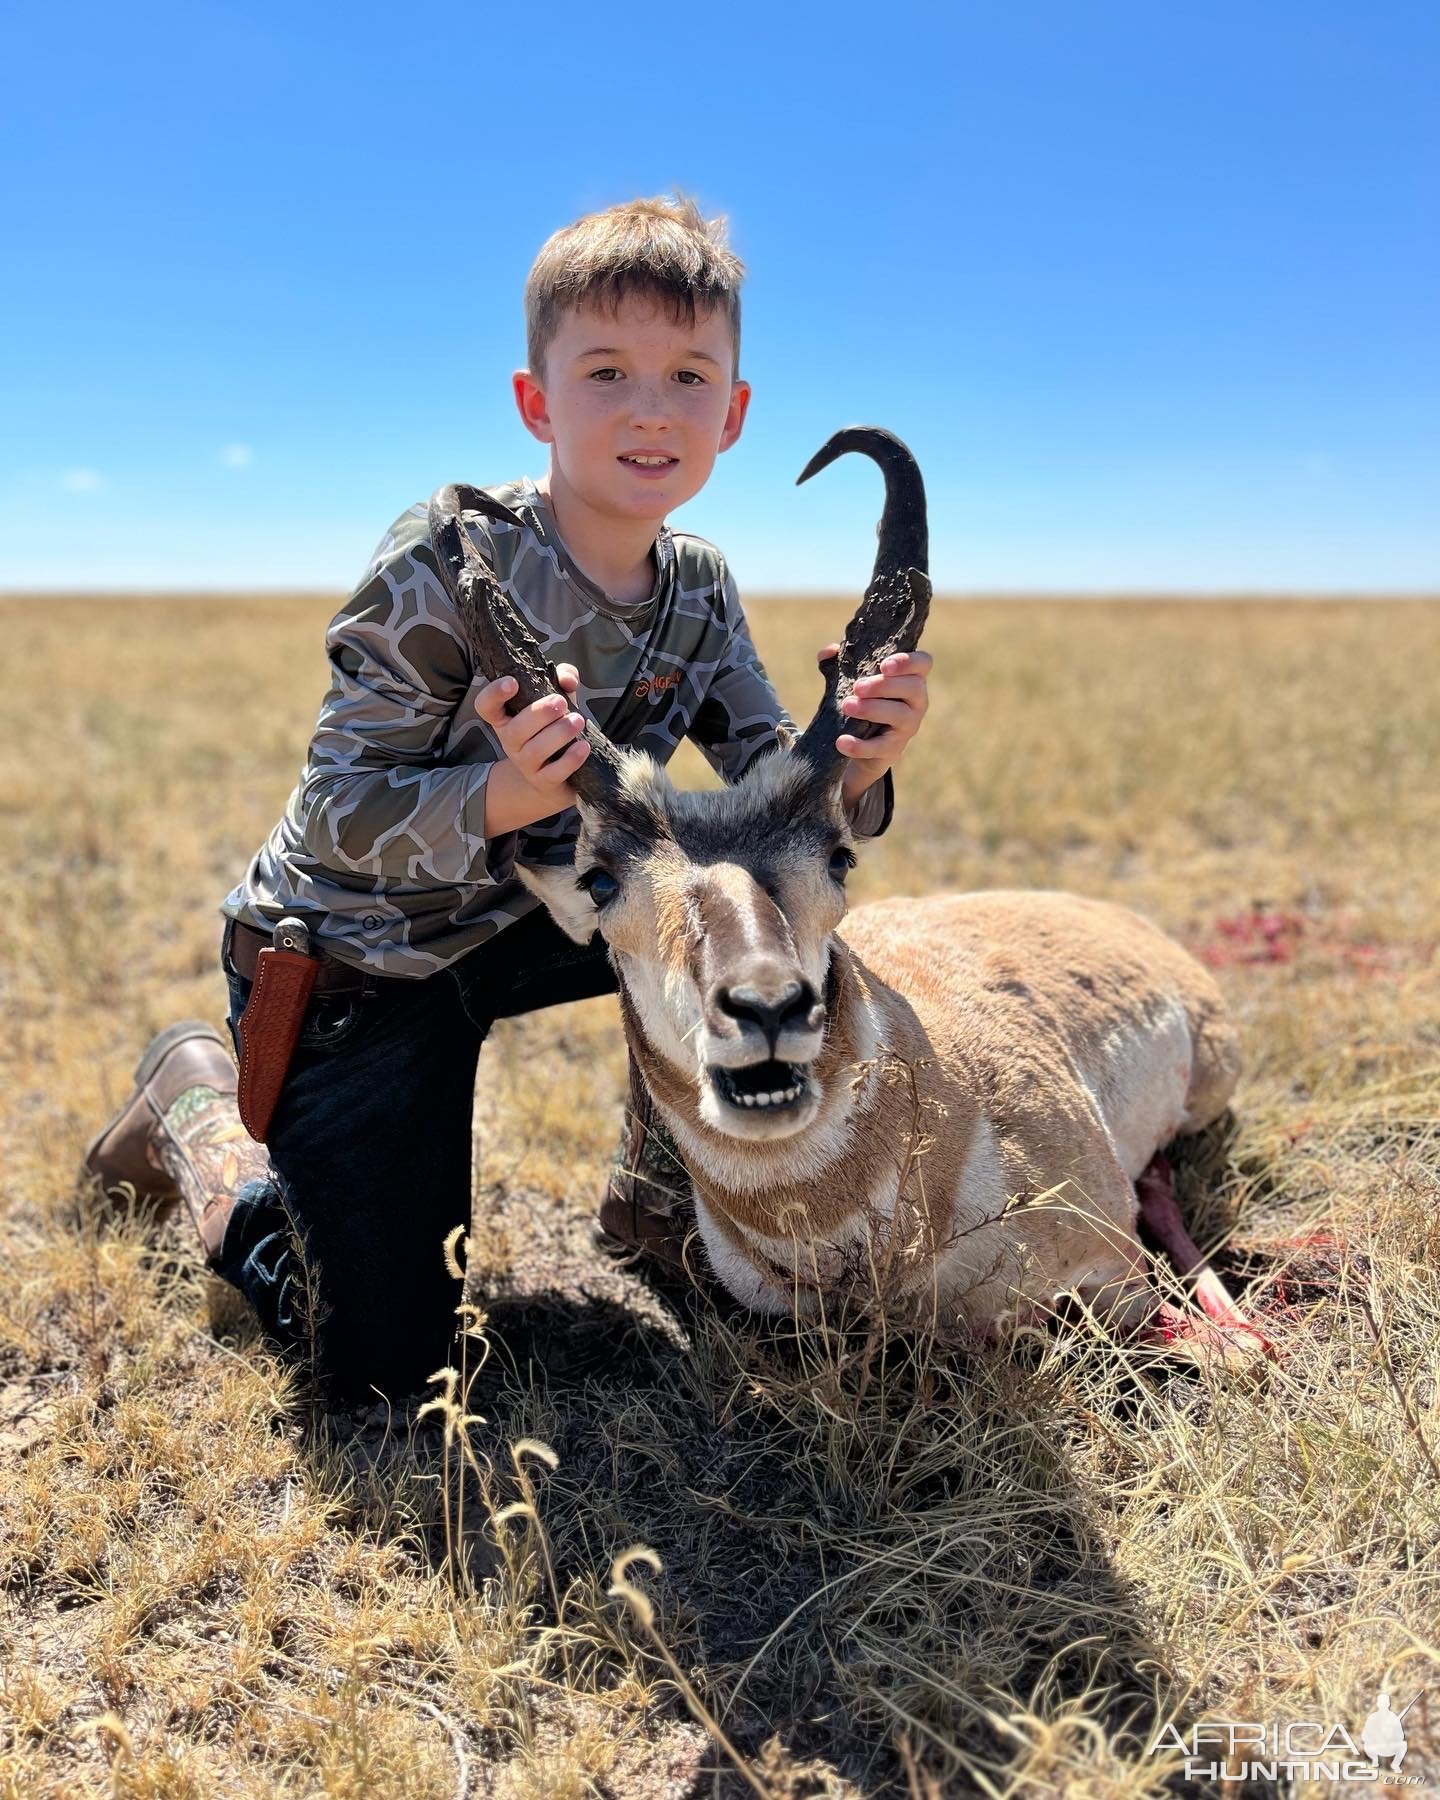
(1151,290)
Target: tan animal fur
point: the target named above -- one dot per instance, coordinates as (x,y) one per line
(1056,1043)
(1015,1058)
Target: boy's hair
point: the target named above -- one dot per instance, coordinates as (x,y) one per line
(663,248)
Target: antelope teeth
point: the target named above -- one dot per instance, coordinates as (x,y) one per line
(728,1084)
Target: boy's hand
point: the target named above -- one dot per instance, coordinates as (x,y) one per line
(895,698)
(543,749)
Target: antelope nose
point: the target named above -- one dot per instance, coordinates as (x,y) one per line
(790,1009)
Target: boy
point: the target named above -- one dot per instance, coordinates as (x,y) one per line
(397,849)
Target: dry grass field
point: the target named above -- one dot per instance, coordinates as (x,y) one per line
(879,1568)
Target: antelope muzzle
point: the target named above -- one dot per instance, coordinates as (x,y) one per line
(763,1020)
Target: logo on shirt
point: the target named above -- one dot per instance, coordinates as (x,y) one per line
(650,687)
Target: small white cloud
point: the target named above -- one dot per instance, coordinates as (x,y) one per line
(236,456)
(82,481)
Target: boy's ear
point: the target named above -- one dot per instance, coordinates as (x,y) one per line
(735,415)
(532,406)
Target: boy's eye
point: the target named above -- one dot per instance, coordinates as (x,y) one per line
(691,377)
(603,374)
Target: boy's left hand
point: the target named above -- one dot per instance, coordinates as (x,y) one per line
(895,698)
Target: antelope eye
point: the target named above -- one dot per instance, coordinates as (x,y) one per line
(600,885)
(842,861)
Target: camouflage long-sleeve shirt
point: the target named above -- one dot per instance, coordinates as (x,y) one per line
(382,846)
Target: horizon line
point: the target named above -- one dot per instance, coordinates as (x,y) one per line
(813,596)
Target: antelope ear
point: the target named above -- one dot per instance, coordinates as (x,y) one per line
(570,907)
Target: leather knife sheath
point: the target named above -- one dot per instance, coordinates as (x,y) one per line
(268,1028)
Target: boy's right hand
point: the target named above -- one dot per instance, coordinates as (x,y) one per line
(542,743)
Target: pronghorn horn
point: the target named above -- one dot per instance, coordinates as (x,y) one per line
(892,614)
(498,634)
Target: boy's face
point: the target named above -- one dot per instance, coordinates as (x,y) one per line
(638,385)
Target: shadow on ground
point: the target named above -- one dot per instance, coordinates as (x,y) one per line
(866,1550)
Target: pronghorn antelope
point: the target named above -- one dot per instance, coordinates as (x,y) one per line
(959,1098)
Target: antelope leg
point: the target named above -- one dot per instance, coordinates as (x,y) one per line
(1160,1216)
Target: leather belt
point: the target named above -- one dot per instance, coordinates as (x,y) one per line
(245,945)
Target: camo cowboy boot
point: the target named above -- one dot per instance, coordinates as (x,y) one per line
(649,1202)
(178,1136)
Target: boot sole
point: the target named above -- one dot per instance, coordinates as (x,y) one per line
(145,1068)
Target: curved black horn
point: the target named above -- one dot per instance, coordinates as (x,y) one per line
(896,605)
(498,634)
(904,535)
(457,554)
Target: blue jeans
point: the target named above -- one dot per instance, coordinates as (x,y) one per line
(370,1155)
